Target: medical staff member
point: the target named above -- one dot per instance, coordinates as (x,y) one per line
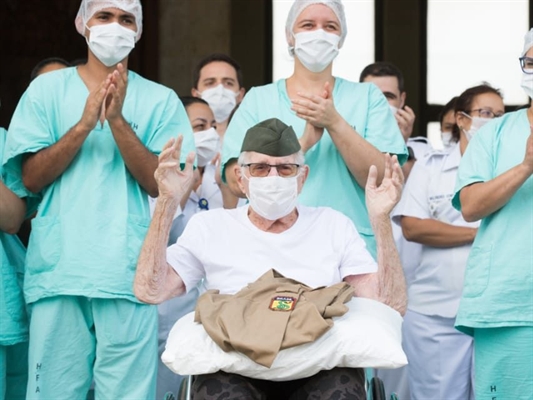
(14,199)
(495,185)
(449,137)
(87,140)
(440,357)
(218,79)
(342,124)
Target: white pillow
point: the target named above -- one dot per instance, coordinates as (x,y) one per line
(368,335)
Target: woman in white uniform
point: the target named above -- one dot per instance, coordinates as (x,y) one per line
(440,357)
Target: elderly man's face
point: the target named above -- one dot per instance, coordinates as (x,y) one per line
(286,168)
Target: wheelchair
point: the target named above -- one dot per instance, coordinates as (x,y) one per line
(375,390)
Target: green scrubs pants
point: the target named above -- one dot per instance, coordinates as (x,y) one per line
(13,371)
(74,340)
(504,363)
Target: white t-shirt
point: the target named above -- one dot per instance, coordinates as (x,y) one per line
(320,249)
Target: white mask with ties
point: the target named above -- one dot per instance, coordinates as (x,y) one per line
(316,49)
(477,123)
(221,100)
(447,139)
(111,43)
(527,84)
(206,143)
(273,197)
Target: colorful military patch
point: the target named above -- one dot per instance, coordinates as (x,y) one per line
(282,303)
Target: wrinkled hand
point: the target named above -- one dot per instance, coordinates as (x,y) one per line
(406,120)
(311,136)
(528,158)
(380,200)
(317,110)
(172,181)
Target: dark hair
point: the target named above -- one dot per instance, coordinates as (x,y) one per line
(383,68)
(78,61)
(214,58)
(465,100)
(43,63)
(188,100)
(449,106)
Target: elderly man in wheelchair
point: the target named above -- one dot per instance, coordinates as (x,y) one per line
(277,273)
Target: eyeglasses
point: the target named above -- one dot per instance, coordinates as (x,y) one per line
(260,170)
(486,113)
(526,63)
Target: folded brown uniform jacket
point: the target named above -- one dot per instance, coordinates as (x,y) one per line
(270,314)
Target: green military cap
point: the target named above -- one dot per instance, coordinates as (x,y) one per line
(271,137)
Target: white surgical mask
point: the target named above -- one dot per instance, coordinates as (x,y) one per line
(111,43)
(316,49)
(527,84)
(273,197)
(477,122)
(446,139)
(221,100)
(393,109)
(206,143)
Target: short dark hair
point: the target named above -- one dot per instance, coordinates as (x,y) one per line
(214,58)
(188,100)
(47,61)
(383,68)
(465,100)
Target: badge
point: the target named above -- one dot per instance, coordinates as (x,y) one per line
(282,303)
(203,204)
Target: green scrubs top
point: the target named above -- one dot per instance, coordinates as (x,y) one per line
(92,220)
(498,289)
(13,316)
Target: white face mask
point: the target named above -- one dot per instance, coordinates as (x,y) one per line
(221,100)
(446,139)
(111,43)
(206,143)
(316,49)
(273,197)
(393,109)
(477,122)
(527,84)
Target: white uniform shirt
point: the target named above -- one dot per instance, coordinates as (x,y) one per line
(320,249)
(438,280)
(410,252)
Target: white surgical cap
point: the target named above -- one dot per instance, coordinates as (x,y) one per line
(528,42)
(299,5)
(90,7)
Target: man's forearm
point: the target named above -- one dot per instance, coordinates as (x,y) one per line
(391,280)
(155,281)
(12,210)
(140,161)
(42,168)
